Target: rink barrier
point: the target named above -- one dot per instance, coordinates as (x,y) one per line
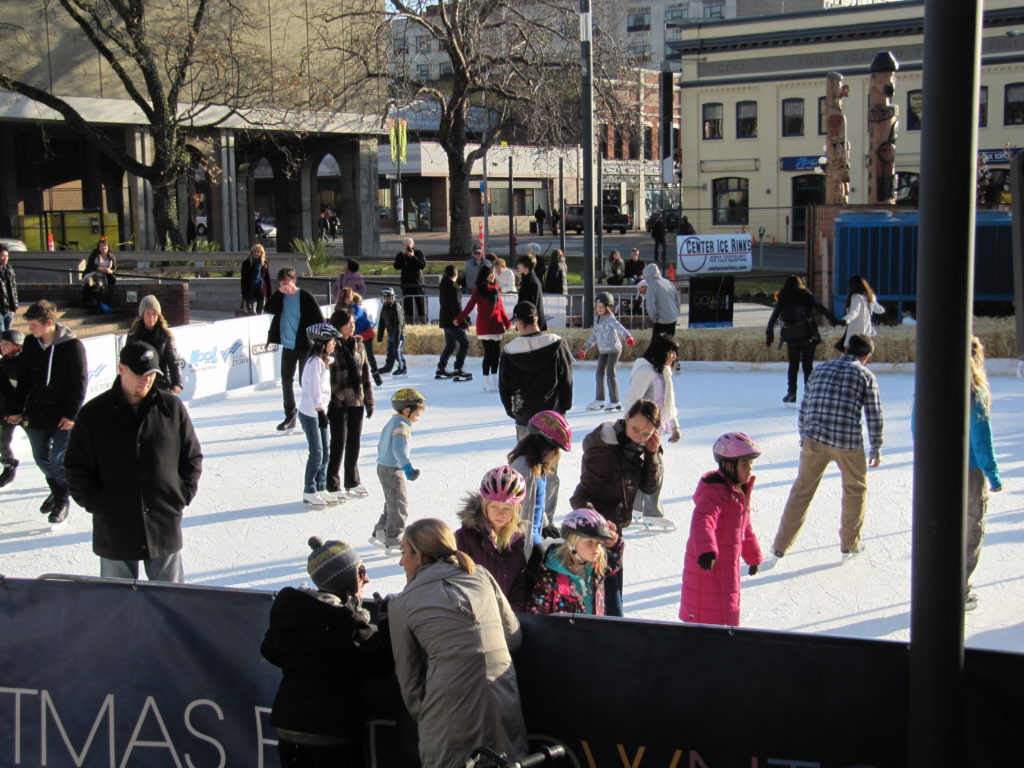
(99,673)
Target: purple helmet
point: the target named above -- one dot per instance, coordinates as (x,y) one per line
(733,446)
(587,523)
(503,484)
(322,332)
(553,426)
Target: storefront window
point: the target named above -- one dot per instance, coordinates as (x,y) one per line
(731,200)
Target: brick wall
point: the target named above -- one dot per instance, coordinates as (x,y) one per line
(173,297)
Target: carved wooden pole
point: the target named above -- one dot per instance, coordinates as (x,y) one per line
(882,122)
(837,149)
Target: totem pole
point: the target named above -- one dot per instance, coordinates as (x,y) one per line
(882,124)
(837,149)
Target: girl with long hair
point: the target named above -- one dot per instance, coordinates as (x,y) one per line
(352,301)
(313,404)
(151,327)
(351,396)
(535,457)
(860,305)
(255,278)
(491,322)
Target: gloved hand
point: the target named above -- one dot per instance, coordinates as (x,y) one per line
(369,411)
(631,341)
(706,560)
(410,473)
(321,419)
(751,570)
(769,338)
(582,354)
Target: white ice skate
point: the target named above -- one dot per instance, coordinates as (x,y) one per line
(314,500)
(657,524)
(357,492)
(597,405)
(612,407)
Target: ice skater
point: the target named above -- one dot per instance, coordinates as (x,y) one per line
(394,467)
(605,335)
(11,342)
(720,533)
(314,400)
(571,573)
(491,322)
(391,321)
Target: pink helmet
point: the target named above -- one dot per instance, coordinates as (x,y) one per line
(503,484)
(733,446)
(553,426)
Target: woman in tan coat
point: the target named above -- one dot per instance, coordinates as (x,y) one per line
(451,632)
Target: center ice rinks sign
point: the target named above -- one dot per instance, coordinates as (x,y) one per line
(702,254)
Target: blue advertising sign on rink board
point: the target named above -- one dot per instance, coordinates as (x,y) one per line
(705,254)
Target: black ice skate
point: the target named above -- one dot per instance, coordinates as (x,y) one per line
(443,374)
(461,375)
(8,474)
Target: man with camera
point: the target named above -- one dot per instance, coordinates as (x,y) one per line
(410,263)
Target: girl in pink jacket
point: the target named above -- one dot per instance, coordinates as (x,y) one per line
(720,533)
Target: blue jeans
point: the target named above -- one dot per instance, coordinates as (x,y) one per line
(165,568)
(6,321)
(48,449)
(396,352)
(454,337)
(316,462)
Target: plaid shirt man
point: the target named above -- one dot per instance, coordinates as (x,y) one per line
(836,393)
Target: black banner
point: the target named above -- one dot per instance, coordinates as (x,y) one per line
(711,300)
(101,674)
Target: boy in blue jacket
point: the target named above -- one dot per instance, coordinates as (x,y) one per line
(394,466)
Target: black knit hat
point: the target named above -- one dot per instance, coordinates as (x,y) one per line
(334,566)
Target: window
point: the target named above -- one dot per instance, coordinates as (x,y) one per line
(602,140)
(639,51)
(731,200)
(677,14)
(1013,109)
(914,103)
(648,143)
(714,9)
(444,69)
(792,117)
(746,119)
(821,116)
(401,46)
(638,22)
(423,71)
(983,107)
(713,121)
(620,145)
(423,42)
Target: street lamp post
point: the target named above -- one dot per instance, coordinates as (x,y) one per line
(587,62)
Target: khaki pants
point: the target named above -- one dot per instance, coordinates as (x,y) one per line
(977,504)
(814,458)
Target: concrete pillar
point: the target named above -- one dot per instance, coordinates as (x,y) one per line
(140,147)
(8,181)
(359,197)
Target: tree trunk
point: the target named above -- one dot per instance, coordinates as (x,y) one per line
(461,234)
(165,215)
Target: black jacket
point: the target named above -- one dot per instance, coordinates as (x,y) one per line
(451,304)
(8,290)
(530,290)
(411,266)
(555,279)
(163,343)
(53,381)
(634,270)
(535,374)
(135,470)
(390,320)
(325,649)
(250,269)
(309,313)
(10,372)
(795,309)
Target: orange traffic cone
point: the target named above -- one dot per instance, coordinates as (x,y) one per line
(49,241)
(672,272)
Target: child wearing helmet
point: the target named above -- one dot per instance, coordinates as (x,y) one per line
(720,533)
(491,531)
(394,467)
(605,334)
(571,573)
(535,457)
(391,321)
(315,384)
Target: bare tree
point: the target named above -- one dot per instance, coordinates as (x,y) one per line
(189,66)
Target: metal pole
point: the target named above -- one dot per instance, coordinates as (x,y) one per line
(599,217)
(511,214)
(561,204)
(400,206)
(487,206)
(945,286)
(587,62)
(1017,195)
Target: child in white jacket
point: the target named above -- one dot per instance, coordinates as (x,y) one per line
(860,305)
(605,334)
(316,396)
(652,380)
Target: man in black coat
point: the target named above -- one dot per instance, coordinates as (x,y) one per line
(134,463)
(530,288)
(49,393)
(410,262)
(454,335)
(294,310)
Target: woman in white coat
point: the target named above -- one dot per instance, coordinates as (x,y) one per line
(860,305)
(451,633)
(651,379)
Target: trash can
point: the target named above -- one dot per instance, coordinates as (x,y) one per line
(533,227)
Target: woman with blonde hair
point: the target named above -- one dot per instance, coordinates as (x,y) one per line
(255,278)
(981,465)
(151,327)
(451,633)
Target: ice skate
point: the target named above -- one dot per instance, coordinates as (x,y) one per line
(357,492)
(597,405)
(377,538)
(47,506)
(377,379)
(7,476)
(789,398)
(613,407)
(850,554)
(443,374)
(970,602)
(461,375)
(400,373)
(332,498)
(393,547)
(287,425)
(770,562)
(61,507)
(657,524)
(314,500)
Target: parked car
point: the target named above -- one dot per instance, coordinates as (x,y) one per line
(671,219)
(613,218)
(13,244)
(269,224)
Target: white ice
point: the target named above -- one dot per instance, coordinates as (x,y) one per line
(248,528)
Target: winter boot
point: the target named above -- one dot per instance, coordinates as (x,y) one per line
(460,375)
(443,374)
(61,507)
(50,501)
(7,475)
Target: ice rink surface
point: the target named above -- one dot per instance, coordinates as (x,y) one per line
(248,528)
